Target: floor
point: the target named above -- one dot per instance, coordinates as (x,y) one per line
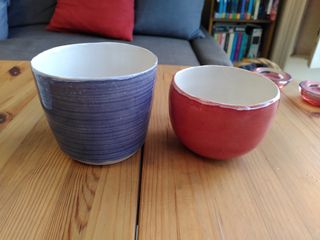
(297,66)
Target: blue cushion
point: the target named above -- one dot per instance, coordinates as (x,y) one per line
(3,19)
(28,12)
(170,18)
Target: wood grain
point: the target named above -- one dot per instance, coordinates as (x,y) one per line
(273,192)
(43,193)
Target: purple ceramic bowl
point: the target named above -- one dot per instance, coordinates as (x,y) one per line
(97,98)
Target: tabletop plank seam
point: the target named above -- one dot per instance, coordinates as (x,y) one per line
(139,193)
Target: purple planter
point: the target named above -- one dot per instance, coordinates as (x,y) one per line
(97,98)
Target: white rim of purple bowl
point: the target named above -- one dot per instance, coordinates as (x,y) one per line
(44,62)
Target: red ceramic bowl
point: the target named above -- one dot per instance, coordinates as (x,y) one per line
(221,112)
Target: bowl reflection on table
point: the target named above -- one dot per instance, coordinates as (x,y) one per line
(221,112)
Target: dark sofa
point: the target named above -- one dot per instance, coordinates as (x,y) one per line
(28,36)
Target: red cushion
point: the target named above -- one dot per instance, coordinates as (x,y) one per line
(109,18)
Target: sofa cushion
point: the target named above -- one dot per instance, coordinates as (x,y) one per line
(209,52)
(109,18)
(174,18)
(26,12)
(26,42)
(3,19)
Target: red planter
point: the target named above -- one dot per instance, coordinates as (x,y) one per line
(225,128)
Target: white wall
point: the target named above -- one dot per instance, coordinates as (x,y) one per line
(309,28)
(287,30)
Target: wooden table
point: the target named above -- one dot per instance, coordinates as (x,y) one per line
(168,192)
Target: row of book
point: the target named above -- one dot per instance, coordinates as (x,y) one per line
(246,9)
(238,41)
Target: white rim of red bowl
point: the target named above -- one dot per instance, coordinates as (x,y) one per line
(224,105)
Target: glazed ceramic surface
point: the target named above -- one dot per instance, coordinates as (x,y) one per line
(280,78)
(221,112)
(97,98)
(310,92)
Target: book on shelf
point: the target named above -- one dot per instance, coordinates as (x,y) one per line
(262,14)
(244,45)
(244,13)
(228,10)
(217,9)
(239,6)
(233,11)
(230,42)
(249,11)
(224,9)
(238,40)
(274,10)
(240,31)
(233,47)
(269,7)
(222,40)
(221,3)
(256,9)
(254,43)
(246,9)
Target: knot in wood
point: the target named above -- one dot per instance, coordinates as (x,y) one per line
(3,117)
(14,71)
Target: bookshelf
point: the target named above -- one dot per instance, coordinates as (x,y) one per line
(258,21)
(267,25)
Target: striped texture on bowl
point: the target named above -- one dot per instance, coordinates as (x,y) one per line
(97,98)
(98,122)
